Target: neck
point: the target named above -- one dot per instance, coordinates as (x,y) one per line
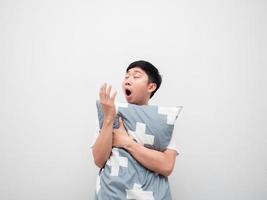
(144,102)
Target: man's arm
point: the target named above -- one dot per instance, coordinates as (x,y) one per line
(103,144)
(160,162)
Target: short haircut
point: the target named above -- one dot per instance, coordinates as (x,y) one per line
(151,71)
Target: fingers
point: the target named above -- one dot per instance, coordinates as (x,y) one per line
(115,130)
(120,122)
(105,92)
(113,95)
(121,125)
(102,91)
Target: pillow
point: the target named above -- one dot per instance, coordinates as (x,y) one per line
(149,125)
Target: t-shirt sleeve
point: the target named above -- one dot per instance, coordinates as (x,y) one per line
(95,134)
(173,143)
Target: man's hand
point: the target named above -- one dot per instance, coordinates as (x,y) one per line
(107,102)
(120,136)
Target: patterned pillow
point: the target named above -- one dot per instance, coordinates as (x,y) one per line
(149,125)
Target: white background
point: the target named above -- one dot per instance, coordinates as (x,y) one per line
(55,54)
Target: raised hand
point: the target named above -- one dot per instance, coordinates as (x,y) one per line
(107,102)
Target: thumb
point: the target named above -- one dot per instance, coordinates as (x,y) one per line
(120,122)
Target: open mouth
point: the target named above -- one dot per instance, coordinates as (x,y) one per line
(128,92)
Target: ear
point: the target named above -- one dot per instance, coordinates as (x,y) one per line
(152,87)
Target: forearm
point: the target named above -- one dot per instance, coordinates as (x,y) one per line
(160,162)
(103,145)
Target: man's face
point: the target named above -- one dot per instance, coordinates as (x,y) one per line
(136,86)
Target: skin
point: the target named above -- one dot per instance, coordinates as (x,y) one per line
(135,80)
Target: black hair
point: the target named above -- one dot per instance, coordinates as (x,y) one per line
(151,71)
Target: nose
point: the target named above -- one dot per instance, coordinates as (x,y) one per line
(127,82)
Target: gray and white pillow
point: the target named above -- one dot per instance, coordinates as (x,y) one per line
(149,125)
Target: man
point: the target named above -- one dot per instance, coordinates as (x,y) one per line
(140,83)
